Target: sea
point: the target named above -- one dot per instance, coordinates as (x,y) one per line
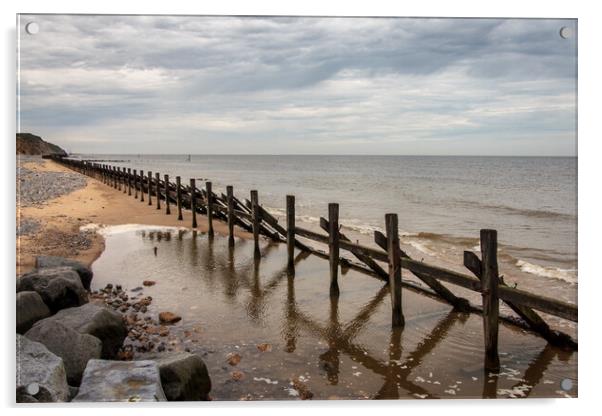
(442,202)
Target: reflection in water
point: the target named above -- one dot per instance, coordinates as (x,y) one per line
(239,296)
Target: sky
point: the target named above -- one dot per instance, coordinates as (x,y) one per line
(290,85)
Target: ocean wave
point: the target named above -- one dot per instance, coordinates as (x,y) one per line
(567,275)
(524,212)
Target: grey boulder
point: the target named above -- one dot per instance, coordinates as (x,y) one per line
(30,309)
(40,374)
(59,287)
(74,348)
(98,321)
(85,274)
(184,376)
(120,381)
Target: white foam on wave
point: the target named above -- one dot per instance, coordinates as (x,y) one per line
(423,248)
(567,275)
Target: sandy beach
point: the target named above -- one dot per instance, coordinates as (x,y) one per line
(59,220)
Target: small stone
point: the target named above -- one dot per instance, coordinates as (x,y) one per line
(136,289)
(264,347)
(233,358)
(149,283)
(237,375)
(169,318)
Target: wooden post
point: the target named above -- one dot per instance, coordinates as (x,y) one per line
(394,253)
(114,171)
(230,200)
(141,181)
(209,207)
(135,184)
(166,180)
(255,219)
(333,247)
(150,188)
(179,197)
(193,201)
(491,305)
(290,231)
(124,179)
(129,181)
(158,189)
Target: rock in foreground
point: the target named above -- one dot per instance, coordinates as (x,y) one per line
(74,348)
(120,381)
(40,374)
(85,274)
(184,376)
(59,287)
(95,320)
(30,309)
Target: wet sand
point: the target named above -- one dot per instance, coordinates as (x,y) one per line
(96,203)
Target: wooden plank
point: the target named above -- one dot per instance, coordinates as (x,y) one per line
(438,273)
(193,201)
(459,303)
(531,318)
(129,182)
(311,235)
(333,247)
(230,194)
(158,189)
(255,220)
(491,304)
(179,197)
(541,303)
(290,231)
(166,182)
(209,198)
(324,224)
(393,251)
(150,187)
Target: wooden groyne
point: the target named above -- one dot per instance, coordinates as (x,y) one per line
(249,215)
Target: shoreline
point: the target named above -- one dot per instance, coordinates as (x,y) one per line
(96,203)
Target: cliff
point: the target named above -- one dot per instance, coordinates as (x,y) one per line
(30,144)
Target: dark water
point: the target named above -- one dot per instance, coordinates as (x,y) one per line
(338,348)
(442,202)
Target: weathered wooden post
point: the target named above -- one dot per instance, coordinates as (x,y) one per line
(179,197)
(114,172)
(150,187)
(209,207)
(129,181)
(394,252)
(230,200)
(141,185)
(333,247)
(491,304)
(255,220)
(119,178)
(290,231)
(166,180)
(193,201)
(124,179)
(158,189)
(135,184)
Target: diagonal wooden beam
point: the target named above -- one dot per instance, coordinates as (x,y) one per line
(459,303)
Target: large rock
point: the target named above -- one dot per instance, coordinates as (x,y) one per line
(85,274)
(103,323)
(30,309)
(40,374)
(74,348)
(184,376)
(59,287)
(120,381)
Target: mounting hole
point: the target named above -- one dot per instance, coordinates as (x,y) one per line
(32,28)
(566,32)
(566,384)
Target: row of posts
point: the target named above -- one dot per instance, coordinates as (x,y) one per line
(119,179)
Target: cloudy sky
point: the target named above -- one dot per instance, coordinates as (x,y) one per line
(131,84)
